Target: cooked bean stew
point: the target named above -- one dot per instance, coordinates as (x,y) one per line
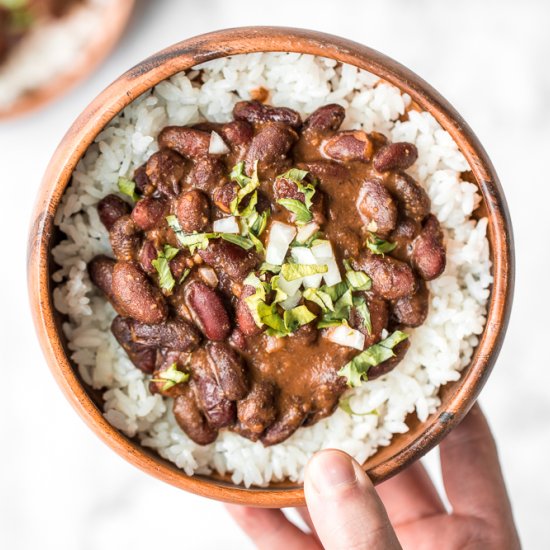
(265,265)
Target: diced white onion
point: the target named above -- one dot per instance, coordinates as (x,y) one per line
(227,225)
(208,275)
(346,336)
(292,301)
(306,231)
(303,255)
(280,237)
(217,145)
(332,276)
(323,250)
(289,287)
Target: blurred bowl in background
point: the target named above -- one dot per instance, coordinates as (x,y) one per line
(57,53)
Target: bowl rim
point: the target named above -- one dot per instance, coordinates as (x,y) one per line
(183,56)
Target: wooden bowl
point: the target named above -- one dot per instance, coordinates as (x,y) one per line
(115,17)
(457,397)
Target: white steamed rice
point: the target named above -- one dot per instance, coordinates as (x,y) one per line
(439,349)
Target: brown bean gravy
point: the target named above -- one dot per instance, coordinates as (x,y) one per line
(17,17)
(264,265)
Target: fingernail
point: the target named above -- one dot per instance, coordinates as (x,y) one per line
(329,470)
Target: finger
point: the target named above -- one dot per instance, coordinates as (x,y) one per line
(306,517)
(410,496)
(471,470)
(270,530)
(345,509)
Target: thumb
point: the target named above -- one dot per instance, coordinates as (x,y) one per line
(344,507)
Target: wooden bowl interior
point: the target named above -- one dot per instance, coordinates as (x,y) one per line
(456,397)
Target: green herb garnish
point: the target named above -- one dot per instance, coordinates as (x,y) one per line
(301,210)
(184,275)
(319,297)
(379,246)
(301,214)
(128,187)
(162,265)
(195,241)
(357,280)
(171,377)
(357,369)
(291,272)
(340,314)
(265,267)
(360,304)
(243,242)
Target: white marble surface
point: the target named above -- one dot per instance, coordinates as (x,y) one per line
(60,488)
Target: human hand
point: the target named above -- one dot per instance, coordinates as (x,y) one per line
(344,511)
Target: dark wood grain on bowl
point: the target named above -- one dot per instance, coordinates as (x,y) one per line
(457,397)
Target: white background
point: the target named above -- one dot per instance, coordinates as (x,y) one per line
(61,488)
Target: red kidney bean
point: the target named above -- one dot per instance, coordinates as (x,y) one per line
(229,258)
(391,278)
(237,133)
(428,255)
(206,174)
(383,368)
(209,310)
(257,410)
(238,340)
(191,419)
(149,212)
(219,411)
(229,370)
(255,112)
(402,236)
(379,314)
(284,188)
(327,171)
(139,297)
(192,210)
(412,200)
(394,156)
(165,170)
(269,146)
(110,209)
(292,413)
(101,270)
(188,142)
(224,195)
(325,399)
(412,310)
(147,254)
(143,186)
(325,119)
(178,265)
(376,207)
(245,320)
(125,239)
(143,357)
(173,334)
(166,358)
(349,145)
